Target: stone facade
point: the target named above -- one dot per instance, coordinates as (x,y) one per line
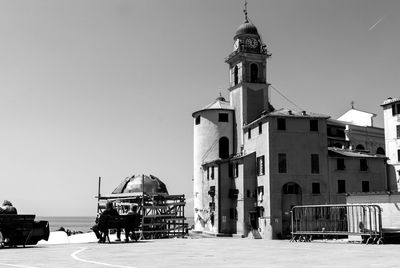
(254,165)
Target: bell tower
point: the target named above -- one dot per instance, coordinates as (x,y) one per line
(248,77)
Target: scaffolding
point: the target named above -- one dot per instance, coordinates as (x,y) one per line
(162,215)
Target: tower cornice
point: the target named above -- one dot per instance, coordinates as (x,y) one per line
(241,55)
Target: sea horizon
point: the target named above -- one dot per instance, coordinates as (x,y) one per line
(77,223)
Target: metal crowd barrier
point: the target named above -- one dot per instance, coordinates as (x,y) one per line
(337,220)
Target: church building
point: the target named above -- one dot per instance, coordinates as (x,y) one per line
(253,163)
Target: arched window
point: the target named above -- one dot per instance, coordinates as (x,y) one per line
(253,73)
(380,150)
(223,148)
(360,147)
(235,76)
(291,188)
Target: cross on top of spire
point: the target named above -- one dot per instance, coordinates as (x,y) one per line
(245,11)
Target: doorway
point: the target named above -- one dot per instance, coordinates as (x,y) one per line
(291,196)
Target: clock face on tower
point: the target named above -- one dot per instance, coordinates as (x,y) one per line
(251,42)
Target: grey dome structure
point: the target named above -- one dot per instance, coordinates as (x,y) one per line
(148,184)
(247,28)
(158,214)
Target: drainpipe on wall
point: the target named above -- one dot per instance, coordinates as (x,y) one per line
(219,199)
(329,180)
(234,137)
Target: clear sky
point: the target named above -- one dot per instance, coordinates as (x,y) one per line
(93,88)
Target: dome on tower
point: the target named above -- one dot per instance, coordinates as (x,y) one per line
(246,28)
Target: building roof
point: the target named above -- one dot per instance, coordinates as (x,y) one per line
(390,100)
(353,154)
(292,113)
(219,104)
(361,111)
(284,112)
(358,117)
(232,157)
(336,122)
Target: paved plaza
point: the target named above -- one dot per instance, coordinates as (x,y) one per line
(203,252)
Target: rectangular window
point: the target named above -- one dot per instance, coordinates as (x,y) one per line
(340,133)
(398,155)
(340,164)
(233,193)
(208,173)
(395,109)
(198,120)
(223,117)
(249,133)
(260,212)
(316,188)
(281,124)
(211,192)
(398,131)
(236,170)
(365,186)
(282,163)
(314,163)
(212,173)
(260,165)
(313,125)
(248,193)
(259,128)
(363,165)
(341,186)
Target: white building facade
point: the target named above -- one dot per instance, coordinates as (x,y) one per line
(391,117)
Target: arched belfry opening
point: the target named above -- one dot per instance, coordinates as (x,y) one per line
(253,73)
(224,148)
